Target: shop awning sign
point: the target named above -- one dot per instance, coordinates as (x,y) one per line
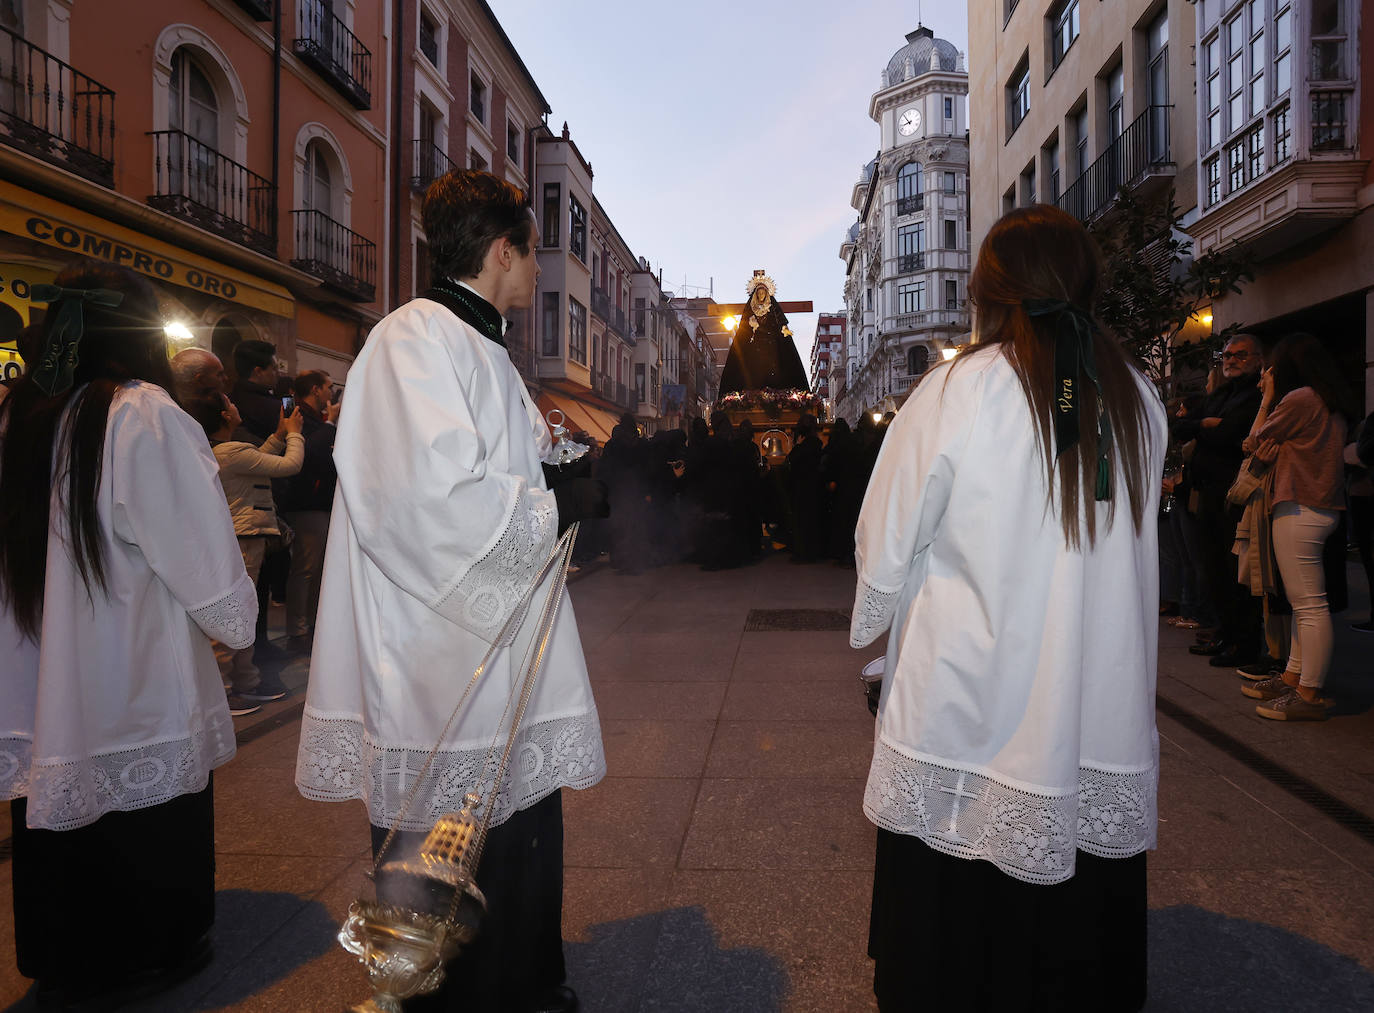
(81,234)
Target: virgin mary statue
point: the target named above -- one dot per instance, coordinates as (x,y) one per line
(762,354)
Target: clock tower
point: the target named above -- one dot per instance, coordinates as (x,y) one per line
(907,257)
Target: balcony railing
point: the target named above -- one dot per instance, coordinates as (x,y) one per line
(325,43)
(601,304)
(1143,149)
(52,111)
(909,262)
(339,257)
(428,164)
(195,182)
(931,318)
(911,203)
(1330,121)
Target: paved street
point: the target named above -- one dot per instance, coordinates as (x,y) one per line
(725,862)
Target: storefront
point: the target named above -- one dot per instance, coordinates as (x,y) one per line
(219,305)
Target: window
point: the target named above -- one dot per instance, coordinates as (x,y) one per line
(1283,135)
(1212,52)
(1283,49)
(577,330)
(641,382)
(1329,120)
(1116,89)
(1018,95)
(911,248)
(1235,165)
(951,183)
(1157,79)
(513,144)
(949,115)
(1080,141)
(1255,152)
(1328,41)
(1052,167)
(1213,180)
(193,109)
(1009,200)
(429,38)
(476,160)
(868,300)
(639,317)
(552,206)
(1063,21)
(1234,31)
(911,298)
(549,323)
(909,186)
(477,99)
(1258,63)
(951,235)
(917,360)
(577,228)
(951,294)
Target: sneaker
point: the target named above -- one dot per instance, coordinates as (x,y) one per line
(1267,689)
(267,690)
(238,706)
(1261,669)
(1292,707)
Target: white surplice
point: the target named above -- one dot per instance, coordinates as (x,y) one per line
(441,520)
(119,705)
(1017,717)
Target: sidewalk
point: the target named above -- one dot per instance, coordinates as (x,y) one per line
(724,864)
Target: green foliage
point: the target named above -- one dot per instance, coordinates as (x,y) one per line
(1153,285)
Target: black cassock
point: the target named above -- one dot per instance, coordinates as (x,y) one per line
(763,356)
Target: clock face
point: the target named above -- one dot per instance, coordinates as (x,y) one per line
(909,122)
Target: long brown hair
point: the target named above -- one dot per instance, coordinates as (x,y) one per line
(47,464)
(1041,253)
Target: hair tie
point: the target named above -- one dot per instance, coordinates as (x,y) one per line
(1073,355)
(56,367)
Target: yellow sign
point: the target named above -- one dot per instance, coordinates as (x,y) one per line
(15,282)
(82,234)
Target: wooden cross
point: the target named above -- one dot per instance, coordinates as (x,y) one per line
(734,309)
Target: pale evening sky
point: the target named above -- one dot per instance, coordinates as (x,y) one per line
(724,136)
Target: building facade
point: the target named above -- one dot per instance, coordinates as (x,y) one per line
(228,153)
(907,256)
(1074,100)
(1284,121)
(827,355)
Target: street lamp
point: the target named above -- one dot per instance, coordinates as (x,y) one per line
(950,350)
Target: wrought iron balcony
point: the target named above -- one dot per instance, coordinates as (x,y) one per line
(601,304)
(261,10)
(911,203)
(195,182)
(339,257)
(428,164)
(54,112)
(1140,152)
(909,262)
(325,43)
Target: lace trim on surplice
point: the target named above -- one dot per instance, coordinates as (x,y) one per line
(232,618)
(493,586)
(1028,835)
(64,796)
(337,761)
(873,612)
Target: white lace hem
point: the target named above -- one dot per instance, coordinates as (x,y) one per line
(491,589)
(71,794)
(338,762)
(231,618)
(1030,836)
(872,615)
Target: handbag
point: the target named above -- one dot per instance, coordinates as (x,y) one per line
(1248,480)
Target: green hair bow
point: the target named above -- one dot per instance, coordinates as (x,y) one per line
(56,367)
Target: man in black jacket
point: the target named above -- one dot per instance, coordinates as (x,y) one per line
(255,370)
(1219,428)
(304,501)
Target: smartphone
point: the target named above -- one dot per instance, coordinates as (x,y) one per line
(288,405)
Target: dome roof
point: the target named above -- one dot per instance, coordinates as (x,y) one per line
(925,53)
(853,234)
(869,170)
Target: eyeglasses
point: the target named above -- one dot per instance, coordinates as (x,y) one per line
(1239,356)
